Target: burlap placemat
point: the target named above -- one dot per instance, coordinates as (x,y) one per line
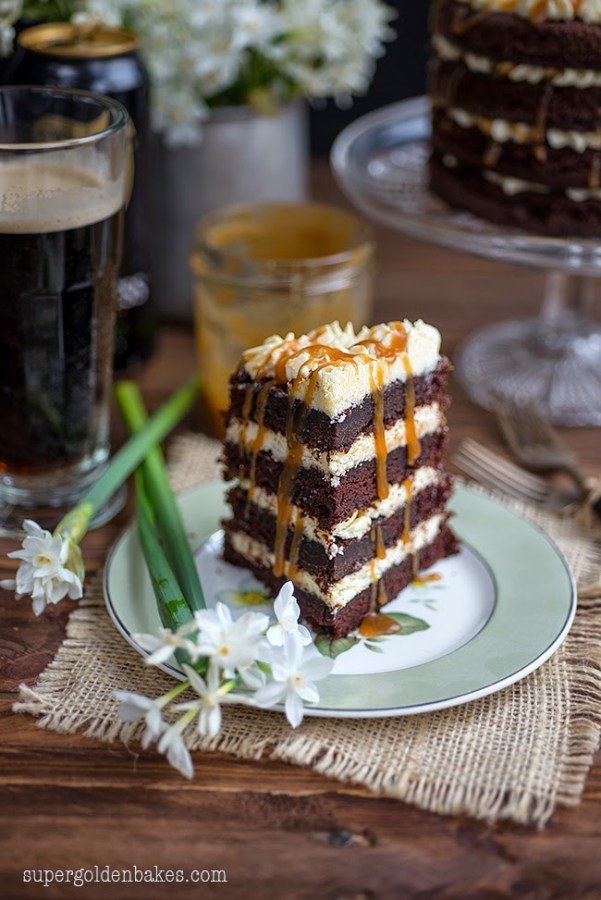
(514,755)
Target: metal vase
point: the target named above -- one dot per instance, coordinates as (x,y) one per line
(243,157)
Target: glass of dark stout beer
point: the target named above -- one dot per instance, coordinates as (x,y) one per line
(64,174)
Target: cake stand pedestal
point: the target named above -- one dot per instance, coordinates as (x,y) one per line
(553,361)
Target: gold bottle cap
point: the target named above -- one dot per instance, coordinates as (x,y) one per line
(90,40)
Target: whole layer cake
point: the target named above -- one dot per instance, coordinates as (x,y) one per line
(335,441)
(516,105)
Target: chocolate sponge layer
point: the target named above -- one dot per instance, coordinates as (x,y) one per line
(338,623)
(559,44)
(553,213)
(559,169)
(260,524)
(313,493)
(569,108)
(320,432)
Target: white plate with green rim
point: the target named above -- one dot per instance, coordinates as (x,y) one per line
(501,608)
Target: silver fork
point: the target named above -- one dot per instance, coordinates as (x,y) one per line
(537,446)
(497,473)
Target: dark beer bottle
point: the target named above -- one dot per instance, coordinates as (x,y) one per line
(104,60)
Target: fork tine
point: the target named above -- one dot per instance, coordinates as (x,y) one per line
(498,484)
(479,451)
(499,477)
(483,477)
(506,475)
(503,467)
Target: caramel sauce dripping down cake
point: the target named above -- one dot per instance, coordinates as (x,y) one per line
(516,91)
(335,444)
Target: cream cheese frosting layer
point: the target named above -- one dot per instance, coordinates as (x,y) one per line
(336,463)
(518,72)
(539,10)
(341,592)
(348,380)
(359,523)
(502,130)
(513,186)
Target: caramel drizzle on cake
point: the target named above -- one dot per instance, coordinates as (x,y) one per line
(407,484)
(320,356)
(378,625)
(376,380)
(386,354)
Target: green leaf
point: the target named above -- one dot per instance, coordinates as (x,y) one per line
(333,647)
(374,647)
(172,606)
(409,624)
(127,459)
(161,500)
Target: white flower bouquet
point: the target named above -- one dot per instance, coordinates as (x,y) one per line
(244,660)
(203,54)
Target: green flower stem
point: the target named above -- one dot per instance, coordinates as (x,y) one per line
(75,524)
(174,611)
(161,499)
(228,686)
(171,695)
(185,720)
(173,608)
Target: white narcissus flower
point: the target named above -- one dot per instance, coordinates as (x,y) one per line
(133,707)
(172,743)
(162,646)
(213,694)
(293,675)
(231,644)
(253,677)
(287,613)
(51,568)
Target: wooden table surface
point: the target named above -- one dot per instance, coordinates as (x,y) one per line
(278,831)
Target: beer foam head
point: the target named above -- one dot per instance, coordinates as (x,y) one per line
(43,194)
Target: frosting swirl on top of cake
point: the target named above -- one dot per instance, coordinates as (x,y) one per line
(539,10)
(341,383)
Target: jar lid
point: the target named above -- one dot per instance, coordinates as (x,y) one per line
(90,40)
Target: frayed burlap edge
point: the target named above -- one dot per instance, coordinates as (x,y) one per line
(418,768)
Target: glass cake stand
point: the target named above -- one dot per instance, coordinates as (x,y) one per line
(553,361)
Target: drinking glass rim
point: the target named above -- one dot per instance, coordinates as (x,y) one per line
(120,120)
(365,237)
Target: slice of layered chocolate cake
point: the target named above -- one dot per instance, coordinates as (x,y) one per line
(335,441)
(516,99)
